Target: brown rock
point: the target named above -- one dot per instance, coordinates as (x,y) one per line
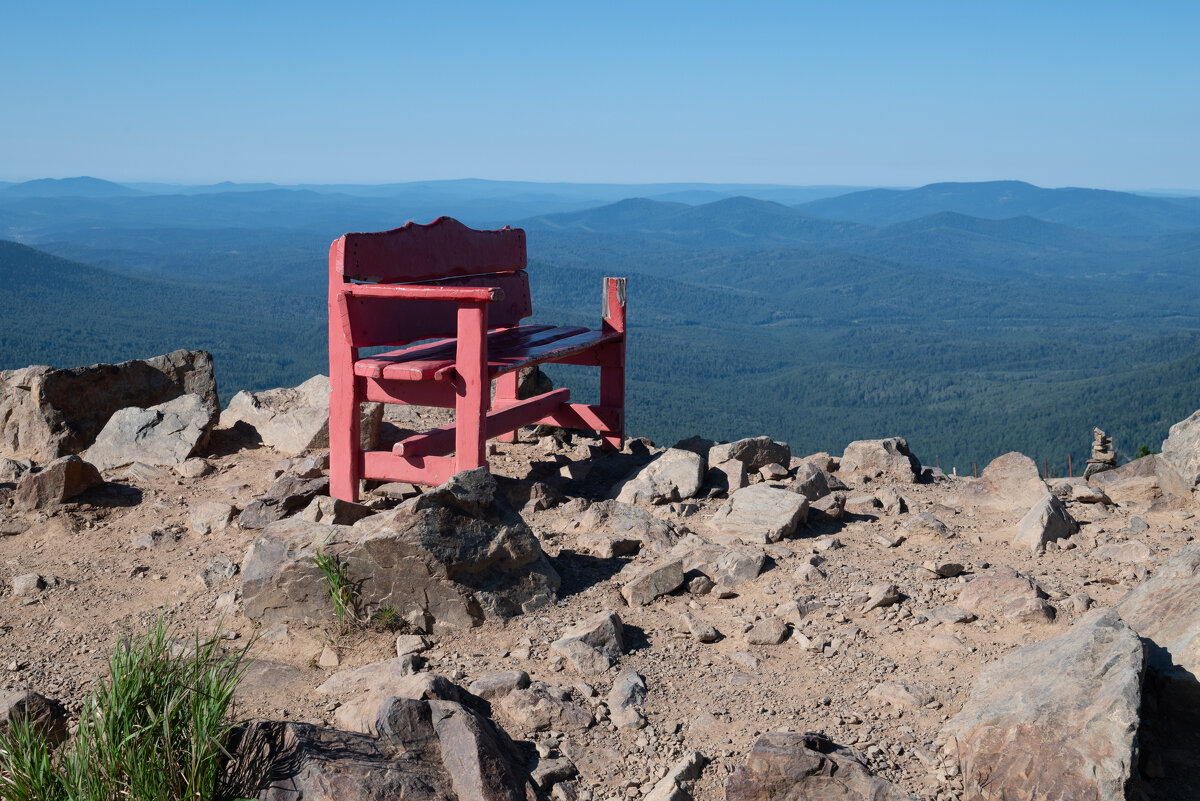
(59,481)
(653,582)
(888,458)
(784,766)
(47,716)
(1010,484)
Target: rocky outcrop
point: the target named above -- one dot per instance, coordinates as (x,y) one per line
(784,766)
(47,413)
(754,452)
(293,420)
(444,560)
(166,434)
(1056,719)
(889,459)
(674,475)
(1178,465)
(761,513)
(612,528)
(426,750)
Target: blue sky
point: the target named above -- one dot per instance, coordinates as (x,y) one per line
(864,93)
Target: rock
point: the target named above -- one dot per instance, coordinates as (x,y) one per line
(193,468)
(927,527)
(549,772)
(1178,465)
(499,683)
(1002,591)
(881,594)
(540,707)
(209,517)
(627,694)
(726,477)
(166,434)
(701,629)
(672,476)
(217,571)
(430,750)
(286,495)
(411,644)
(889,459)
(943,569)
(1146,467)
(328,658)
(1010,483)
(1047,521)
(1085,493)
(785,766)
(294,420)
(829,508)
(1165,610)
(27,584)
(612,528)
(594,645)
(364,691)
(725,565)
(1130,552)
(761,513)
(12,470)
(950,615)
(862,504)
(890,501)
(681,776)
(446,559)
(901,695)
(653,582)
(1071,702)
(57,482)
(47,413)
(46,716)
(768,631)
(773,472)
(754,452)
(323,509)
(813,482)
(1139,489)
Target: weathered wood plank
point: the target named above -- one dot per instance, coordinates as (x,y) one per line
(441,249)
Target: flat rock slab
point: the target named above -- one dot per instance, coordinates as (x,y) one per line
(613,528)
(1055,720)
(1165,609)
(784,766)
(167,434)
(761,513)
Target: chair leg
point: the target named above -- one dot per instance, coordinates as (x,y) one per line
(344,441)
(471,399)
(612,396)
(506,390)
(612,371)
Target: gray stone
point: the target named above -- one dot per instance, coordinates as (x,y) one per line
(882,593)
(499,683)
(677,784)
(540,707)
(761,513)
(594,645)
(1003,592)
(889,459)
(672,476)
(625,700)
(363,691)
(726,477)
(411,644)
(209,517)
(217,571)
(1047,521)
(612,528)
(47,413)
(768,631)
(447,559)
(27,584)
(1130,552)
(653,582)
(294,420)
(284,497)
(785,766)
(11,470)
(812,482)
(890,501)
(1010,484)
(193,468)
(830,508)
(323,509)
(699,628)
(1071,702)
(549,772)
(1178,465)
(900,695)
(166,434)
(754,452)
(56,483)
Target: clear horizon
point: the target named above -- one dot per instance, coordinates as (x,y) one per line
(1094,95)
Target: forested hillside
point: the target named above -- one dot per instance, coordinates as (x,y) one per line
(971,318)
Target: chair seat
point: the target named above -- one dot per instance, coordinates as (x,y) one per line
(508,350)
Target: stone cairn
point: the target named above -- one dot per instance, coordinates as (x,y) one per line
(1104,455)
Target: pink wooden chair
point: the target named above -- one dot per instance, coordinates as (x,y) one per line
(460,295)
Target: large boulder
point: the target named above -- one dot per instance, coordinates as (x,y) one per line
(1178,465)
(426,750)
(165,434)
(1010,484)
(754,452)
(676,474)
(59,481)
(47,413)
(293,420)
(786,766)
(889,459)
(761,513)
(444,560)
(1055,720)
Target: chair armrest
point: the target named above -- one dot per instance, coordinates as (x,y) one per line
(468,294)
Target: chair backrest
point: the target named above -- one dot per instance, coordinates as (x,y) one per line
(443,252)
